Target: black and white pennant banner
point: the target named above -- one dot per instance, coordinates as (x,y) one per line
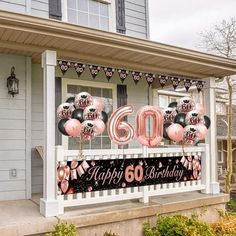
(79,68)
(199,85)
(150,78)
(64,66)
(94,70)
(175,82)
(108,72)
(123,74)
(187,84)
(162,80)
(136,76)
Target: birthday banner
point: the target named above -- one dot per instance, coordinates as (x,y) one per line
(96,175)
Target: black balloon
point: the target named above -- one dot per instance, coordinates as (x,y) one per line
(207,121)
(165,127)
(180,119)
(78,114)
(173,105)
(70,99)
(61,127)
(104,117)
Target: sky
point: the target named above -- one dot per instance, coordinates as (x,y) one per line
(179,22)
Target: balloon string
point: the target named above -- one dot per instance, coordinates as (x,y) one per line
(80,149)
(183,149)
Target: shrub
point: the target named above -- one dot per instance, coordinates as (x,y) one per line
(178,225)
(226,226)
(109,234)
(64,229)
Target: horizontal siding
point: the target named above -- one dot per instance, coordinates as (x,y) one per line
(136,18)
(12,195)
(37,128)
(12,126)
(18,6)
(40,8)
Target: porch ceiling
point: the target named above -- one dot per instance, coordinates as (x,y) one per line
(30,36)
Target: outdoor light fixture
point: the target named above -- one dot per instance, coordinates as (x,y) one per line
(13,83)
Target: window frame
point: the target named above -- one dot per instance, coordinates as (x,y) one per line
(66,81)
(220,150)
(111,14)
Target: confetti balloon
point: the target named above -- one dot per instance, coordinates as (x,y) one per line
(193,117)
(185,105)
(83,100)
(88,130)
(191,135)
(169,115)
(91,113)
(65,110)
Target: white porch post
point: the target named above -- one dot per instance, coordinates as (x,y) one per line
(48,204)
(210,104)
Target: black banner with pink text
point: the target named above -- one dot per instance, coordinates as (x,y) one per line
(96,175)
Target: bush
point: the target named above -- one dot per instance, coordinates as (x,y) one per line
(109,234)
(226,226)
(64,229)
(178,225)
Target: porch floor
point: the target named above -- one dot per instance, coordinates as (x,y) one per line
(22,217)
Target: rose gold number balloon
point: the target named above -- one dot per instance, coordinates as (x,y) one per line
(120,132)
(155,137)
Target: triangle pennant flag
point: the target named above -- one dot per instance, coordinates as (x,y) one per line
(108,72)
(123,74)
(64,66)
(79,68)
(187,84)
(175,82)
(150,78)
(162,80)
(94,70)
(136,76)
(200,85)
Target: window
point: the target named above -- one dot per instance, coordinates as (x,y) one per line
(220,149)
(220,108)
(105,91)
(90,13)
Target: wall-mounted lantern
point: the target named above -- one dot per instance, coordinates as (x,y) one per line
(13,83)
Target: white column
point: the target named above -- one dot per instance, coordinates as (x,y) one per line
(210,104)
(48,204)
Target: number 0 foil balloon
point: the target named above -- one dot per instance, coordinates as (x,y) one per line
(120,132)
(155,137)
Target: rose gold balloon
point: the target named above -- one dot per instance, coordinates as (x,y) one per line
(99,126)
(64,185)
(202,131)
(99,103)
(200,108)
(60,174)
(175,132)
(120,132)
(73,127)
(155,137)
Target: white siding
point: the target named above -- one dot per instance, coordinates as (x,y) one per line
(136,18)
(37,128)
(12,130)
(33,7)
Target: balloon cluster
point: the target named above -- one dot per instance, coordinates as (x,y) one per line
(185,121)
(82,116)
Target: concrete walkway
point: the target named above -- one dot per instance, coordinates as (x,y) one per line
(22,217)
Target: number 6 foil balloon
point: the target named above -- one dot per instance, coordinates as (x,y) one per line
(154,138)
(120,132)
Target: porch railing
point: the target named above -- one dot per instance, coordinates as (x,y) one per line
(142,193)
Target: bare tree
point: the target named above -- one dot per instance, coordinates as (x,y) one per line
(221,40)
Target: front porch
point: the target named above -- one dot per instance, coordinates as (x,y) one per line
(22,217)
(35,38)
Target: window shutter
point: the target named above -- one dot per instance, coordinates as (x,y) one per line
(55,9)
(120,16)
(58,97)
(121,95)
(121,101)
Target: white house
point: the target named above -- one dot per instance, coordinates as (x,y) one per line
(33,43)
